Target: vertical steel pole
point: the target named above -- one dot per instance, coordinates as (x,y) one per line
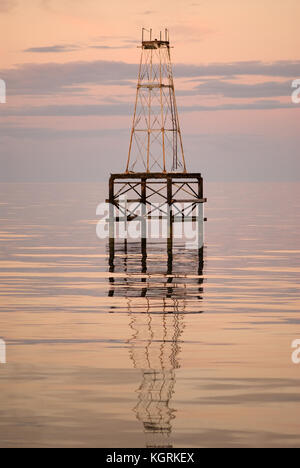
(144,221)
(200,216)
(111,220)
(176,110)
(149,111)
(162,112)
(135,109)
(170,213)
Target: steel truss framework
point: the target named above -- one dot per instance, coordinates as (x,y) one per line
(156,140)
(143,196)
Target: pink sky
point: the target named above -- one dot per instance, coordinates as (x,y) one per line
(59,54)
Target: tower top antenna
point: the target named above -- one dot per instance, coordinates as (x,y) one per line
(147,36)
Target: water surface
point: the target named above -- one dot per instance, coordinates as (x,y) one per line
(135,350)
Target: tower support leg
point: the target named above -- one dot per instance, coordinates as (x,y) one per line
(111,213)
(170,214)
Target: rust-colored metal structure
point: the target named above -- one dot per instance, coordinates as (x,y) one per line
(155,141)
(155,183)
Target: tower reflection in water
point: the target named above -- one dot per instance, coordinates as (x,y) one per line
(159,287)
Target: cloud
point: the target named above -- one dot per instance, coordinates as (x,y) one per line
(123,109)
(262,104)
(52,49)
(71,110)
(125,41)
(58,49)
(53,78)
(283,68)
(22,132)
(7,5)
(104,47)
(215,87)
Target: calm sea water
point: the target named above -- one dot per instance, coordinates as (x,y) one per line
(139,351)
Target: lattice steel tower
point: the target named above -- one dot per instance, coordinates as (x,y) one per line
(155,184)
(156,140)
